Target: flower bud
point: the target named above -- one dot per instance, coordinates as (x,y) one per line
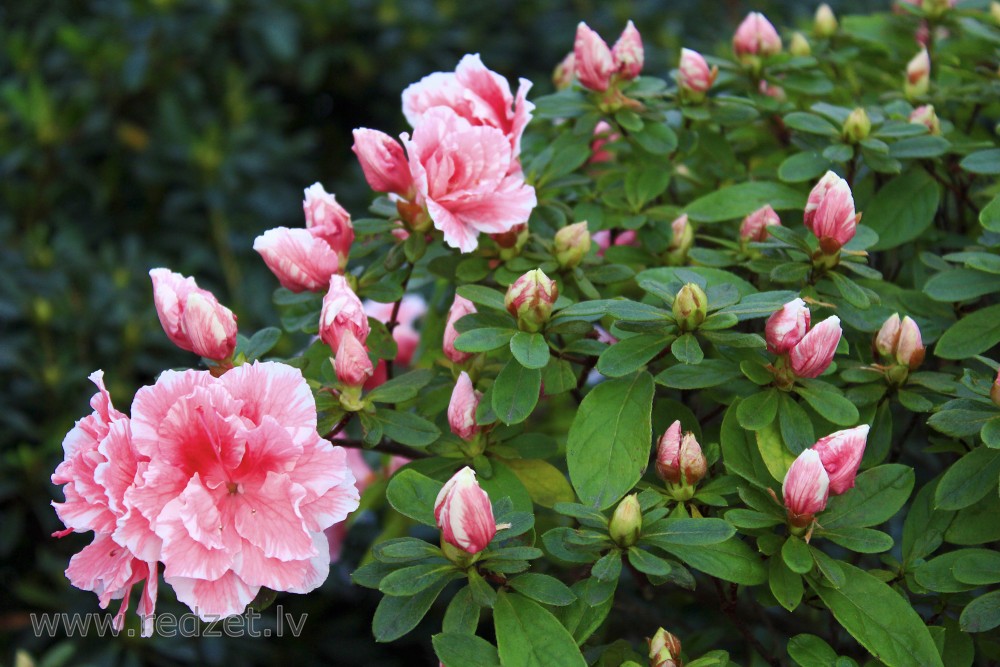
(562,76)
(857,126)
(829,213)
(926,116)
(694,76)
(805,489)
(679,459)
(918,75)
(462,408)
(298,259)
(602,136)
(193,318)
(995,391)
(812,355)
(690,307)
(530,299)
(755,37)
(626,522)
(664,649)
(799,45)
(888,336)
(995,12)
(572,243)
(383,162)
(771,90)
(342,311)
(511,241)
(824,23)
(351,362)
(592,60)
(327,220)
(841,454)
(681,240)
(787,326)
(627,53)
(754,226)
(463,512)
(459,309)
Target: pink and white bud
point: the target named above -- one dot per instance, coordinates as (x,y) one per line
(328,220)
(679,459)
(193,318)
(463,512)
(925,115)
(814,353)
(342,311)
(900,342)
(298,259)
(887,337)
(694,76)
(841,454)
(756,37)
(565,72)
(602,136)
(593,63)
(462,408)
(681,236)
(627,53)
(530,299)
(787,326)
(572,243)
(459,309)
(805,489)
(351,362)
(664,649)
(754,226)
(830,214)
(383,161)
(918,75)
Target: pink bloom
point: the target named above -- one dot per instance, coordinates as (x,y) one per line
(463,177)
(459,309)
(756,37)
(829,213)
(351,362)
(627,53)
(462,408)
(602,136)
(239,486)
(326,219)
(480,96)
(806,488)
(383,162)
(300,260)
(754,226)
(841,454)
(100,465)
(193,318)
(342,311)
(786,327)
(603,239)
(592,59)
(464,514)
(812,355)
(695,77)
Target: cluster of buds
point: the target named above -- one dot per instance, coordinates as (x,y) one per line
(664,650)
(754,226)
(690,307)
(830,216)
(694,77)
(343,325)
(755,38)
(900,346)
(803,352)
(681,240)
(304,259)
(625,526)
(462,409)
(925,115)
(857,127)
(193,318)
(572,243)
(680,462)
(530,299)
(463,513)
(460,307)
(824,22)
(918,75)
(828,467)
(600,68)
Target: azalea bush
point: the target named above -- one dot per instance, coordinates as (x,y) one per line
(688,367)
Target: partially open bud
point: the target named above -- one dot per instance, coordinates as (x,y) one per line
(351,362)
(530,299)
(857,126)
(754,226)
(755,37)
(841,454)
(627,53)
(900,342)
(383,162)
(572,243)
(787,326)
(805,489)
(664,649)
(462,408)
(300,260)
(812,355)
(830,214)
(626,522)
(463,512)
(926,116)
(918,75)
(342,311)
(192,317)
(326,219)
(679,459)
(690,307)
(694,76)
(562,76)
(799,45)
(825,22)
(459,309)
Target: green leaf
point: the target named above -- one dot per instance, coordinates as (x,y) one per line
(961,285)
(860,540)
(852,293)
(396,616)
(731,560)
(796,428)
(880,620)
(465,650)
(795,553)
(981,614)
(876,497)
(411,580)
(828,402)
(530,349)
(786,586)
(462,614)
(529,636)
(515,392)
(980,568)
(404,550)
(938,574)
(925,146)
(737,201)
(546,484)
(709,373)
(989,217)
(483,296)
(903,208)
(656,138)
(643,184)
(689,532)
(803,167)
(982,162)
(758,410)
(609,441)
(811,124)
(773,452)
(543,588)
(924,527)
(413,495)
(407,427)
(630,354)
(401,388)
(973,334)
(737,454)
(261,343)
(687,350)
(811,651)
(648,563)
(484,340)
(968,479)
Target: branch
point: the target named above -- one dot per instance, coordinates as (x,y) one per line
(394,318)
(728,607)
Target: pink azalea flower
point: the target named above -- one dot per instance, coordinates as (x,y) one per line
(812,355)
(299,260)
(327,220)
(193,318)
(464,514)
(829,213)
(806,488)
(841,454)
(239,486)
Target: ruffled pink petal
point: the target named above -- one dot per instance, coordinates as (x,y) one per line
(295,576)
(117,472)
(269,518)
(298,259)
(152,404)
(211,600)
(277,390)
(103,567)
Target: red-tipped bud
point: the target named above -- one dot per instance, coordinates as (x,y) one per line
(626,522)
(459,309)
(695,78)
(592,60)
(351,362)
(463,512)
(383,162)
(326,219)
(805,489)
(926,116)
(342,311)
(572,243)
(841,454)
(755,37)
(462,408)
(627,53)
(814,353)
(918,75)
(193,318)
(787,326)
(754,226)
(530,299)
(830,214)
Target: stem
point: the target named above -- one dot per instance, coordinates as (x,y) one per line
(728,606)
(341,425)
(394,319)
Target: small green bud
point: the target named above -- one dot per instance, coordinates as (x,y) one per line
(690,307)
(825,22)
(572,243)
(626,522)
(857,126)
(799,45)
